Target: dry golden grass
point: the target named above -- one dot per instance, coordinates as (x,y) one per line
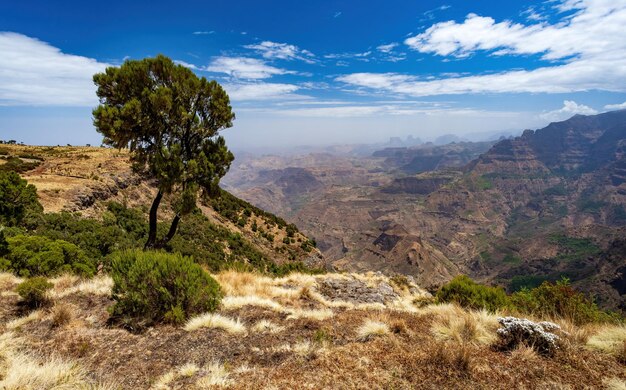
(217,321)
(23,371)
(371,329)
(454,323)
(185,371)
(235,283)
(267,326)
(20,321)
(163,382)
(524,353)
(609,339)
(64,281)
(61,314)
(216,375)
(312,314)
(99,285)
(614,384)
(8,281)
(237,302)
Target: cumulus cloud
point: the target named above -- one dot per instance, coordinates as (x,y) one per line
(569,109)
(246,74)
(590,45)
(620,106)
(282,51)
(244,68)
(33,72)
(596,28)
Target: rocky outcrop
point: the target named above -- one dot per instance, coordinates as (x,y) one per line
(354,290)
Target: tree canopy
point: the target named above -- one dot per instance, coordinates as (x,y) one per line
(17,199)
(170,120)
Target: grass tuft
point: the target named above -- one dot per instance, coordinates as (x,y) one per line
(371,329)
(218,321)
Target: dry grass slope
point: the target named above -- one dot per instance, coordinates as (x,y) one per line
(284,333)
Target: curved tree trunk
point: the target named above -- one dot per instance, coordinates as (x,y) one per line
(150,244)
(170,233)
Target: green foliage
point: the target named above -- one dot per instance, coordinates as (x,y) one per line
(120,228)
(291,230)
(153,287)
(290,267)
(560,300)
(17,199)
(231,207)
(4,245)
(468,293)
(170,120)
(574,248)
(520,282)
(38,255)
(33,291)
(17,165)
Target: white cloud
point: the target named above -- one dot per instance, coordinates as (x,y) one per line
(244,68)
(430,14)
(393,109)
(591,43)
(261,91)
(569,109)
(337,14)
(283,51)
(348,55)
(33,72)
(620,106)
(387,48)
(596,28)
(187,65)
(203,32)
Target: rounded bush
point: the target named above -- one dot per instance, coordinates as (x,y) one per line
(152,287)
(467,293)
(39,255)
(33,291)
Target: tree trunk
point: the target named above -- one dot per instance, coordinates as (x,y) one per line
(170,233)
(153,222)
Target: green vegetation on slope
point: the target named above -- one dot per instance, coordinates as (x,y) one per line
(548,300)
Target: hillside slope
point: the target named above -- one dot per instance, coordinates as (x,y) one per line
(302,331)
(85,179)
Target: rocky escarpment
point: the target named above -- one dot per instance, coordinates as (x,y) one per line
(429,157)
(416,185)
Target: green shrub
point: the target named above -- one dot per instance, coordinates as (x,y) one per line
(17,199)
(34,291)
(42,256)
(119,229)
(153,287)
(560,300)
(468,293)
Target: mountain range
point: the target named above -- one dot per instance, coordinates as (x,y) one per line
(548,204)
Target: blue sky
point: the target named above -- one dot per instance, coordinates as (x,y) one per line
(322,72)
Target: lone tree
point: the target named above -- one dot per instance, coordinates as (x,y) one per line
(170,120)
